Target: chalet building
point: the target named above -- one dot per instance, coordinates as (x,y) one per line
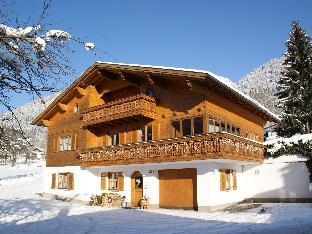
(180,137)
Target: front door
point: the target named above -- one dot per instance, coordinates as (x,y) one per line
(136,188)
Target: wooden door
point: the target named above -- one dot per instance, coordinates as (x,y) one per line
(136,188)
(177,188)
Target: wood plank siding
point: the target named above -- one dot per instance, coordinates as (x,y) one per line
(122,114)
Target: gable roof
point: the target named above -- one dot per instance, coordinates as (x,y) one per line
(201,75)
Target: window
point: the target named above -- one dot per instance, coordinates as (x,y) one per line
(65,143)
(198,125)
(217,126)
(143,134)
(66,180)
(237,131)
(211,125)
(186,127)
(150,92)
(114,139)
(228,180)
(76,108)
(223,127)
(176,128)
(115,181)
(63,181)
(147,133)
(228,128)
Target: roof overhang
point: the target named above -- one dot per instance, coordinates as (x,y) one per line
(204,77)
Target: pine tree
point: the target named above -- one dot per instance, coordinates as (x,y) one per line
(295,95)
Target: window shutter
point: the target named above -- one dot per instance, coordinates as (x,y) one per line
(70,181)
(155,131)
(135,136)
(120,182)
(109,175)
(234,180)
(74,142)
(103,180)
(222,180)
(53,181)
(55,144)
(58,144)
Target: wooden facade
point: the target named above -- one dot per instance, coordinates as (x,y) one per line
(117,114)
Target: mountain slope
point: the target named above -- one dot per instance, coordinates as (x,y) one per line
(261,83)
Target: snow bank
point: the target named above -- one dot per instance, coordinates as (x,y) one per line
(20,173)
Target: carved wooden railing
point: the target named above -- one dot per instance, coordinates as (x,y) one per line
(139,105)
(199,147)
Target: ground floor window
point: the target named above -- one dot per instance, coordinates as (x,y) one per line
(115,181)
(65,180)
(228,180)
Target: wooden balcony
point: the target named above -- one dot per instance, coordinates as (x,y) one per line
(130,108)
(199,147)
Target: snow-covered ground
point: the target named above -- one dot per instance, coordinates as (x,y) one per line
(22,211)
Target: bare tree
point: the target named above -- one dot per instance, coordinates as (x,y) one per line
(33,60)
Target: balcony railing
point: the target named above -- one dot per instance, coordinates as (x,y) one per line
(139,106)
(199,147)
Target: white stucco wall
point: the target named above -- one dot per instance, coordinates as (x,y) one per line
(278,178)
(208,185)
(87,180)
(285,177)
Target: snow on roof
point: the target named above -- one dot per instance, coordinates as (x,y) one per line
(220,79)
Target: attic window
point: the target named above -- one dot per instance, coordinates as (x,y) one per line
(65,143)
(76,108)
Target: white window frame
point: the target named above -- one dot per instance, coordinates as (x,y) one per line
(65,143)
(63,180)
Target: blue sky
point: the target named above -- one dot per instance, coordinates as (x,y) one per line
(229,38)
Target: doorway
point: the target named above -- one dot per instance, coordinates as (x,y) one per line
(136,188)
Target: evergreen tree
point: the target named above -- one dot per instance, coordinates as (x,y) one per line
(295,95)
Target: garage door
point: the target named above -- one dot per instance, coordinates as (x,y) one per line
(177,188)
